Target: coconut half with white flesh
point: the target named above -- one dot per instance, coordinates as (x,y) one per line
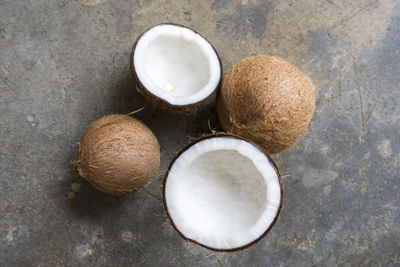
(223,193)
(175,68)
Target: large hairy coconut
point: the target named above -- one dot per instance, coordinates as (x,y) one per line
(268,100)
(118,154)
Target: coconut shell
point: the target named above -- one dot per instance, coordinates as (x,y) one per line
(268,100)
(118,154)
(159,102)
(215,135)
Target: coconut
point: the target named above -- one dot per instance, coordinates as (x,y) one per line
(118,154)
(175,68)
(222,192)
(268,100)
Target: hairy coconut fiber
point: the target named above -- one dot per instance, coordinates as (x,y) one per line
(118,154)
(267,100)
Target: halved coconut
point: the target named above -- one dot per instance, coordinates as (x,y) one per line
(175,68)
(223,193)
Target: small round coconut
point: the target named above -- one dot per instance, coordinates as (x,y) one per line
(118,154)
(267,100)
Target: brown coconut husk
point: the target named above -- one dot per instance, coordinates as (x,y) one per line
(161,103)
(214,135)
(268,100)
(118,154)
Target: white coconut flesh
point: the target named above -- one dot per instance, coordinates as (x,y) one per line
(222,193)
(176,64)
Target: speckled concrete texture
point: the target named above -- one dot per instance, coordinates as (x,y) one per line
(64,64)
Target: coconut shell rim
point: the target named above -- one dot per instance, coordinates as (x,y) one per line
(217,135)
(156,100)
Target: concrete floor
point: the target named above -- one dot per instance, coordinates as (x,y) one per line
(64,64)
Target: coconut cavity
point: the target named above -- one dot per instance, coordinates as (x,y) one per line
(118,154)
(267,100)
(223,193)
(175,67)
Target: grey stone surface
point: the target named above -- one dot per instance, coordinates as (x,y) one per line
(64,64)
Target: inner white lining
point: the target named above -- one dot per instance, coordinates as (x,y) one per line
(176,64)
(222,192)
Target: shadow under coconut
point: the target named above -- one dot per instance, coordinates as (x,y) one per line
(80,196)
(123,97)
(206,120)
(88,202)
